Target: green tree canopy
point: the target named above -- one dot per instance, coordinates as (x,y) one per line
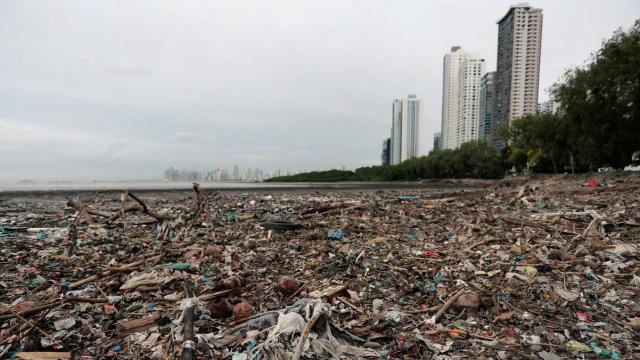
(600,103)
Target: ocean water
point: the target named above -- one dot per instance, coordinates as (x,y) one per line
(187,185)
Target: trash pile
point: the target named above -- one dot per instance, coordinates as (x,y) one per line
(541,268)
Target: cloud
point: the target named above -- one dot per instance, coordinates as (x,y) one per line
(281,84)
(187,136)
(129,71)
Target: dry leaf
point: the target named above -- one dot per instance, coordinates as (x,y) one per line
(504,317)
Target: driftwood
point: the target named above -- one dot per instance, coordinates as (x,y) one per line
(326,208)
(85,212)
(445,307)
(44,355)
(130,326)
(317,313)
(108,272)
(51,305)
(148,211)
(523,222)
(188,333)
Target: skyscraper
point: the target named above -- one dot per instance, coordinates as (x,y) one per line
(487,105)
(437,141)
(548,107)
(386,152)
(405,129)
(462,72)
(396,132)
(471,71)
(518,69)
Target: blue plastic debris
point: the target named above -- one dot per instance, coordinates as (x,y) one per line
(6,233)
(41,235)
(410,236)
(335,234)
(35,282)
(117,348)
(174,266)
(11,354)
(408,197)
(232,217)
(604,352)
(252,345)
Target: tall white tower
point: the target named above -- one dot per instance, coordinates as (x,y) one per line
(405,129)
(462,72)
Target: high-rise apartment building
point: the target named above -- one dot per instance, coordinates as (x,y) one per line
(462,72)
(469,81)
(487,106)
(396,132)
(385,157)
(548,107)
(518,68)
(405,129)
(437,141)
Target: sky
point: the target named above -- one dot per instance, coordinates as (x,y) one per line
(121,90)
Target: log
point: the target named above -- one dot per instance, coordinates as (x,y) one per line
(51,305)
(44,355)
(130,326)
(188,344)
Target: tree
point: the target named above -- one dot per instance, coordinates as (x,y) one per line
(600,104)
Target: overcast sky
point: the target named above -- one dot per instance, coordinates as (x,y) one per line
(123,89)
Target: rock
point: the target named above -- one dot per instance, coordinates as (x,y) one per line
(220,309)
(242,310)
(214,250)
(288,285)
(469,301)
(230,283)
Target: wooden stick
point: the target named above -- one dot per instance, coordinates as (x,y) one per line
(426,310)
(187,344)
(51,305)
(107,272)
(307,329)
(445,307)
(523,222)
(148,211)
(6,308)
(295,293)
(349,304)
(215,295)
(130,326)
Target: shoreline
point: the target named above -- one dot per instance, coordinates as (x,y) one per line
(429,185)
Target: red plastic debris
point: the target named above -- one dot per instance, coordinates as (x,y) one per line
(583,316)
(593,183)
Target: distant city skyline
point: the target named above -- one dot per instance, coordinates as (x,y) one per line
(236,173)
(283,84)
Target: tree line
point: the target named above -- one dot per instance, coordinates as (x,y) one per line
(475,159)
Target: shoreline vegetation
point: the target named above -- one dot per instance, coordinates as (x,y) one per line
(472,160)
(597,126)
